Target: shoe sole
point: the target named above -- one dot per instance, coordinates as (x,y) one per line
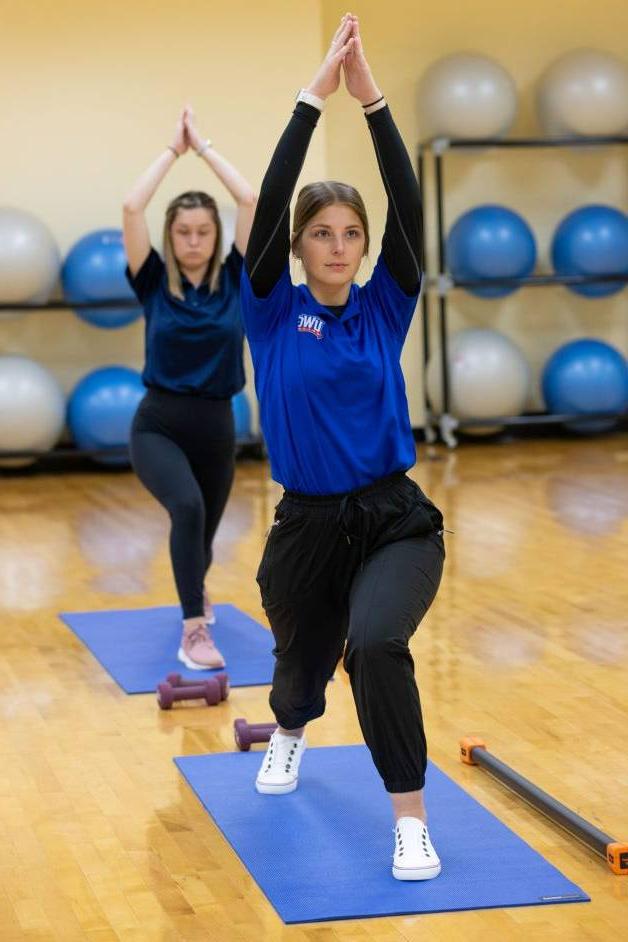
(194,665)
(420,873)
(265,789)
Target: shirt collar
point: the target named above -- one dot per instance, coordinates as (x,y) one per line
(189,287)
(311,306)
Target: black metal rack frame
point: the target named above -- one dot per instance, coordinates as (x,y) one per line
(443,281)
(252,446)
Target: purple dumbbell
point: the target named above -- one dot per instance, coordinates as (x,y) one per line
(176,680)
(209,690)
(247,733)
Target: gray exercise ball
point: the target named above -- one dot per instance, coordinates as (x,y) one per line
(29,258)
(32,408)
(466,96)
(488,376)
(584,94)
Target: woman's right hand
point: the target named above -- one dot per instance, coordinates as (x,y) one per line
(180,140)
(327,79)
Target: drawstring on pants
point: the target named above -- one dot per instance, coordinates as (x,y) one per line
(349,506)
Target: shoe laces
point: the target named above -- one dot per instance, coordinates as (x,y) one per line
(281,753)
(199,635)
(422,841)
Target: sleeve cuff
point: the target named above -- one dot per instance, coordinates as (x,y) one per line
(308,112)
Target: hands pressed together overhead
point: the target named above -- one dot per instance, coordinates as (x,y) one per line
(185,133)
(346,52)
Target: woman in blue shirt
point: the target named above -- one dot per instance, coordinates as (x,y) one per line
(182,441)
(355,555)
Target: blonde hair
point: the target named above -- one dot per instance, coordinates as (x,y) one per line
(316,196)
(193,199)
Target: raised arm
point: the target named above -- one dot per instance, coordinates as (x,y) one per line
(134,225)
(269,245)
(241,191)
(402,240)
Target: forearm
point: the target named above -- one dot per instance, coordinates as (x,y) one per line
(269,244)
(402,241)
(145,188)
(233,181)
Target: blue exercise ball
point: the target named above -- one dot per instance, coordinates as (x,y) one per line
(241,415)
(586,376)
(490,242)
(101,410)
(592,240)
(94,271)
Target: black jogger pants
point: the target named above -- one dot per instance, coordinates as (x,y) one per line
(358,572)
(183,451)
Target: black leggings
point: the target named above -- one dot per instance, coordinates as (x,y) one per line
(183,451)
(361,568)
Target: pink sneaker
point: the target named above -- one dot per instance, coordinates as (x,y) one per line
(208,610)
(198,652)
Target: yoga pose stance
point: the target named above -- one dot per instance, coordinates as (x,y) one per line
(355,555)
(182,441)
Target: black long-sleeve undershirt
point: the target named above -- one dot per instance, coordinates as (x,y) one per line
(269,243)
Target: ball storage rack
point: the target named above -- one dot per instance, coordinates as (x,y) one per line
(251,446)
(440,282)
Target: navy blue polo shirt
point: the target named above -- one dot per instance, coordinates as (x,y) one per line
(193,346)
(332,395)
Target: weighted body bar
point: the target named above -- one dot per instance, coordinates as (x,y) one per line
(473,751)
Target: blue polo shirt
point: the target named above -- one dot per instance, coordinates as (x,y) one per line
(332,396)
(193,346)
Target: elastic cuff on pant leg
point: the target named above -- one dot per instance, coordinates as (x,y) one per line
(296,720)
(412,785)
(193,612)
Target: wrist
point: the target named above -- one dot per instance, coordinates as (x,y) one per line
(310,97)
(374,106)
(203,147)
(373,96)
(173,150)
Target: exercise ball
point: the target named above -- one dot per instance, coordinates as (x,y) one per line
(584,376)
(29,258)
(592,240)
(241,415)
(94,271)
(488,376)
(466,96)
(101,410)
(32,408)
(584,93)
(490,242)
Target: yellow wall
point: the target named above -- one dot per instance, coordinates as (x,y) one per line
(402,38)
(91,92)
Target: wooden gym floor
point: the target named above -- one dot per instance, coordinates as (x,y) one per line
(527,646)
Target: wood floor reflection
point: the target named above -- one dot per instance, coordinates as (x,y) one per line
(526,645)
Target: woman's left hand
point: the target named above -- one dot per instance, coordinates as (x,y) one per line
(194,138)
(358,77)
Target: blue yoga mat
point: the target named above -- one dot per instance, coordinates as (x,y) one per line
(139,647)
(325,851)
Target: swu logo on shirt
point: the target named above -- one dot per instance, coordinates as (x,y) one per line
(311,324)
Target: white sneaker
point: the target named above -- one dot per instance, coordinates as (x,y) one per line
(415,858)
(279,772)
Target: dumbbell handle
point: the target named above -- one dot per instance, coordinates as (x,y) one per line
(248,733)
(176,680)
(167,694)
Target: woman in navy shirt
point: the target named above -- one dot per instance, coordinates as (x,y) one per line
(182,441)
(355,555)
